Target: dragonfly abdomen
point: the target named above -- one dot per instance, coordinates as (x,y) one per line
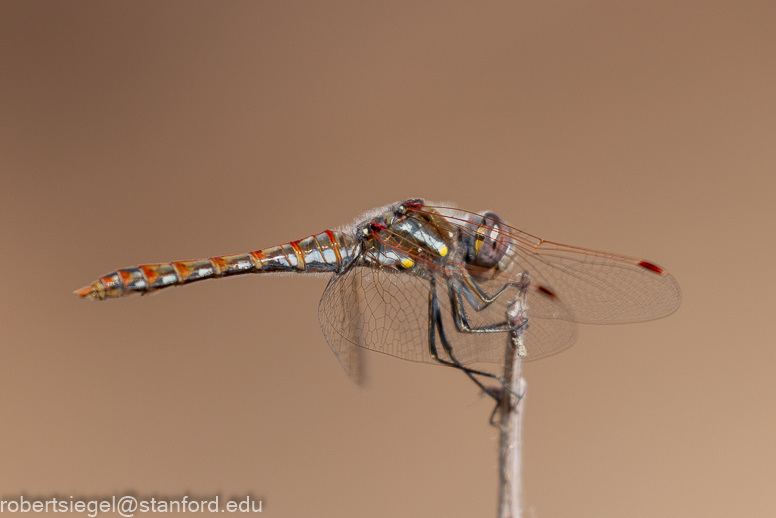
(329,251)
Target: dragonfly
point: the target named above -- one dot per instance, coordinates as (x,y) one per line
(432,283)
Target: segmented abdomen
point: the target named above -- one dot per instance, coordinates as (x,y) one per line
(328,251)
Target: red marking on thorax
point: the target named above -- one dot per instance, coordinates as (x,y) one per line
(651,267)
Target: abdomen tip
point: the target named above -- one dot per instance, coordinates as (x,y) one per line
(85,292)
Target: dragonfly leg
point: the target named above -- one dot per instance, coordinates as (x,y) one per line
(459,291)
(435,322)
(480,300)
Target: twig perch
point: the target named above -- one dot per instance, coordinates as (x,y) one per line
(511,412)
(509,457)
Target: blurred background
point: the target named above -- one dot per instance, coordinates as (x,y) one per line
(143,132)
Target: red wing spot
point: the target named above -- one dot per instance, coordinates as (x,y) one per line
(545,291)
(651,267)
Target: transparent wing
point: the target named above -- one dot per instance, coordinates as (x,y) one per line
(550,327)
(342,321)
(596,287)
(388,312)
(376,310)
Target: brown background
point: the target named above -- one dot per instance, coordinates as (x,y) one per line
(135,132)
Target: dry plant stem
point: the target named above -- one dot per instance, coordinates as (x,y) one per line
(511,411)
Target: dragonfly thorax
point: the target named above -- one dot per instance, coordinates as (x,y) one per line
(404,237)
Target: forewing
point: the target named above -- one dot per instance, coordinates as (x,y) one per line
(596,287)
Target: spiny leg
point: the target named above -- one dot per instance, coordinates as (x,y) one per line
(435,321)
(479,301)
(498,393)
(482,299)
(449,350)
(458,291)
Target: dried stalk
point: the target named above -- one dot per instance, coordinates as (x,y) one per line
(509,457)
(511,412)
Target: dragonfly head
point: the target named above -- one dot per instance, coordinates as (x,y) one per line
(490,243)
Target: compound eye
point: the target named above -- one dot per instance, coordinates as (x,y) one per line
(492,243)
